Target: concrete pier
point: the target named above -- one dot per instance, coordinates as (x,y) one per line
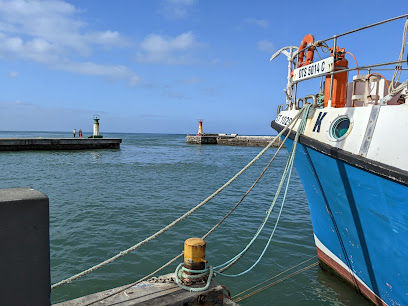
(22,144)
(233,140)
(156,291)
(204,139)
(248,141)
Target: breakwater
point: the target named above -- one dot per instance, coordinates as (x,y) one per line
(232,140)
(23,144)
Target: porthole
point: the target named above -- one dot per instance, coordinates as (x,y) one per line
(340,128)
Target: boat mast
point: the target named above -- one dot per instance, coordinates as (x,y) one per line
(290,56)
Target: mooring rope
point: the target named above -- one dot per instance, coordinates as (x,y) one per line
(250,188)
(253,185)
(208,233)
(273,277)
(232,261)
(398,67)
(239,255)
(276,282)
(286,175)
(180,273)
(164,229)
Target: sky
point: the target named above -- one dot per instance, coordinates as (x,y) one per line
(157,66)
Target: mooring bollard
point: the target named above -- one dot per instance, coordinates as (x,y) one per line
(194,254)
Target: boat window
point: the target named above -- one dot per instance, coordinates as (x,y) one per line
(340,128)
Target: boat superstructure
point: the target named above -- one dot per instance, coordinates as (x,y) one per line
(353,163)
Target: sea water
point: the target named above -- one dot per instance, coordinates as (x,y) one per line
(105,201)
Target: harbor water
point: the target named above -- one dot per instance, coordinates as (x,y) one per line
(104,201)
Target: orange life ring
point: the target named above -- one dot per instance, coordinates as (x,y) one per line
(308,39)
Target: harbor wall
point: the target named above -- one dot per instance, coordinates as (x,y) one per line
(250,141)
(202,139)
(233,140)
(21,144)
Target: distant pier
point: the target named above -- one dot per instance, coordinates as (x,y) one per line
(230,139)
(233,140)
(48,144)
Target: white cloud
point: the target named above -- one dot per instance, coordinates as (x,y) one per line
(50,32)
(258,22)
(36,49)
(107,39)
(13,74)
(266,46)
(49,20)
(110,72)
(177,9)
(167,50)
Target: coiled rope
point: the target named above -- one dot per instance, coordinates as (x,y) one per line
(164,229)
(286,175)
(180,273)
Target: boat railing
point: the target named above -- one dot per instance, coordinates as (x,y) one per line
(293,60)
(367,67)
(366,27)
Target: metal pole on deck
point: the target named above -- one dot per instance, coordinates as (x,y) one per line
(329,103)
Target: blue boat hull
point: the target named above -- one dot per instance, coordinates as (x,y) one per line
(360,222)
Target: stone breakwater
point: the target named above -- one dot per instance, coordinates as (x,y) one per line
(233,140)
(23,144)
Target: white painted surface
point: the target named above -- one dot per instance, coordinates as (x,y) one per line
(388,144)
(314,69)
(96,129)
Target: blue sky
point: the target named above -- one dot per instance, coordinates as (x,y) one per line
(158,66)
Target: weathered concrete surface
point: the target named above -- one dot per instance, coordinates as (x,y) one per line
(22,144)
(250,141)
(202,139)
(154,293)
(230,140)
(24,247)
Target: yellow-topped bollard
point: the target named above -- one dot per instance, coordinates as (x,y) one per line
(194,254)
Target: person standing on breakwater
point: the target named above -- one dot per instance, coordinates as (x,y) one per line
(80,133)
(74,132)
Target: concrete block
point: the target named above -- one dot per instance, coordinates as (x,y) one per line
(24,241)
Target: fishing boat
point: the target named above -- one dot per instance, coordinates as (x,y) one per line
(352,160)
